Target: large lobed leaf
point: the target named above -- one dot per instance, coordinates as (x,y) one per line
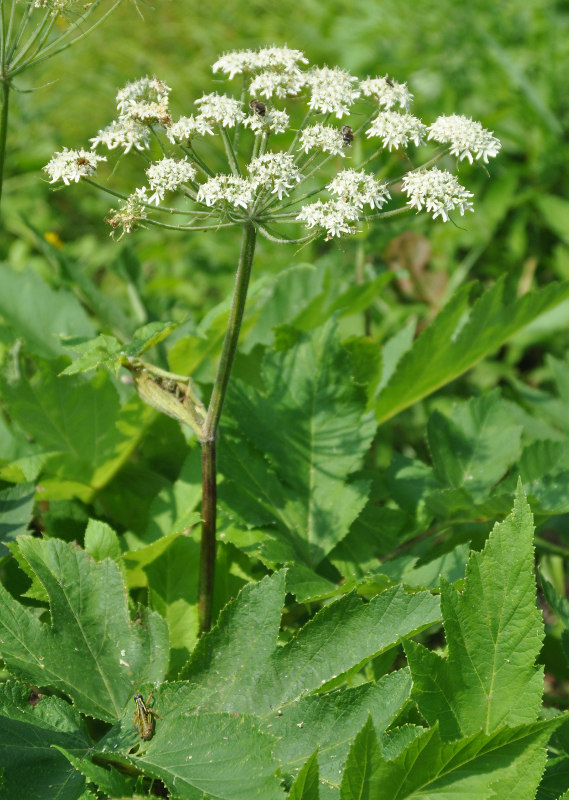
(460,337)
(91,650)
(494,634)
(238,666)
(298,483)
(30,727)
(505,765)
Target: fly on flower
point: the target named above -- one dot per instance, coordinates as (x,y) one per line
(144,717)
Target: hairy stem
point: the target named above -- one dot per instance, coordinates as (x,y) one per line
(211,425)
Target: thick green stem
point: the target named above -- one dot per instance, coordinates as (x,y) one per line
(211,425)
(3,129)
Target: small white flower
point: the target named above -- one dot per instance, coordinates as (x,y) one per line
(331,90)
(359,189)
(227,189)
(124,132)
(468,139)
(438,191)
(187,127)
(71,165)
(397,130)
(322,137)
(149,113)
(332,216)
(166,175)
(275,171)
(132,211)
(220,109)
(144,90)
(281,84)
(275,58)
(279,58)
(235,63)
(273,121)
(387,92)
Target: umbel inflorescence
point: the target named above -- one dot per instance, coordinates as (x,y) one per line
(302,146)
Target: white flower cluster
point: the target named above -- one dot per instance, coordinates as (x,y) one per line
(272,121)
(132,211)
(282,59)
(331,90)
(281,84)
(144,90)
(436,190)
(359,189)
(187,127)
(71,165)
(397,130)
(124,132)
(322,137)
(220,109)
(333,216)
(388,93)
(166,175)
(275,171)
(225,190)
(468,139)
(264,176)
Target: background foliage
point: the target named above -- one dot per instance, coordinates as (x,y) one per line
(452,338)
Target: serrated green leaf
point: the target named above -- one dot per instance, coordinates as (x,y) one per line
(101,541)
(29,726)
(238,666)
(39,314)
(106,655)
(363,762)
(305,786)
(507,764)
(311,396)
(104,350)
(330,721)
(109,781)
(474,446)
(223,756)
(494,634)
(108,351)
(459,338)
(16,507)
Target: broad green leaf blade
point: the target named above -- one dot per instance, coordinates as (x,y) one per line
(39,314)
(238,666)
(343,637)
(363,763)
(494,634)
(16,507)
(311,396)
(107,780)
(108,351)
(305,786)
(173,590)
(452,344)
(223,756)
(507,764)
(101,541)
(29,727)
(330,721)
(475,445)
(230,660)
(106,655)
